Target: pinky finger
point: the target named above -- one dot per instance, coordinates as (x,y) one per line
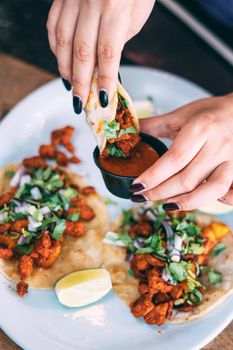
(216,186)
(51,24)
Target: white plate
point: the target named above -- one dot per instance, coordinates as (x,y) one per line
(38,321)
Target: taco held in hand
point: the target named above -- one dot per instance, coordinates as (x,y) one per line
(116,129)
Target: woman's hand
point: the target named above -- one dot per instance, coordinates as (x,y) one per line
(198,167)
(86,33)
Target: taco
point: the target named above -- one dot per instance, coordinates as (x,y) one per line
(50,220)
(179,264)
(115,127)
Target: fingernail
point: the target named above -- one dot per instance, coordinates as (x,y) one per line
(66,84)
(138,198)
(103,96)
(77,104)
(171,206)
(119,77)
(136,187)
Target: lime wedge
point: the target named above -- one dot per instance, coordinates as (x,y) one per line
(83,287)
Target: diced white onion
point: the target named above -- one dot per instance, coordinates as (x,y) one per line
(35,193)
(178,242)
(175,258)
(45,210)
(167,277)
(33,224)
(3,216)
(22,208)
(15,181)
(110,234)
(25,179)
(66,206)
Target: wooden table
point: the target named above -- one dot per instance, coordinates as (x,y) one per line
(17,79)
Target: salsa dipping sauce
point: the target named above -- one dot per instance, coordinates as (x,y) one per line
(143,157)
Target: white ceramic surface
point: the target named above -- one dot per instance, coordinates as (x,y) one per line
(38,321)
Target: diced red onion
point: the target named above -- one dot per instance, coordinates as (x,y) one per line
(139,242)
(128,257)
(35,193)
(25,179)
(22,240)
(15,181)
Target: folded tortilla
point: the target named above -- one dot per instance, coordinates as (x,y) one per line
(96,115)
(126,287)
(76,253)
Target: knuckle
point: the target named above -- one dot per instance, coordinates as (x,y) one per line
(223,186)
(106,52)
(82,51)
(186,183)
(62,39)
(206,121)
(64,71)
(79,85)
(106,78)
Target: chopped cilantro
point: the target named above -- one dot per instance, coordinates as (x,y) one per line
(9,174)
(59,229)
(144,250)
(130,130)
(108,201)
(128,218)
(26,249)
(195,248)
(123,102)
(214,276)
(178,270)
(68,193)
(73,217)
(189,228)
(115,152)
(111,128)
(127,240)
(131,273)
(218,249)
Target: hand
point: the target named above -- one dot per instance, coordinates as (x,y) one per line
(84,33)
(198,167)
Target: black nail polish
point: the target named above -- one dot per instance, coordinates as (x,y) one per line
(119,77)
(77,104)
(138,198)
(103,96)
(171,206)
(66,84)
(136,187)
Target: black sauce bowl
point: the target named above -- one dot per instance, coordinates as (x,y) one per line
(118,184)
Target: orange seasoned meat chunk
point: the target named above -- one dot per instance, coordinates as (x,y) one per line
(22,288)
(157,315)
(156,282)
(6,253)
(142,306)
(75,229)
(25,266)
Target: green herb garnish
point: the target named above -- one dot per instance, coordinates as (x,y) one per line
(111,128)
(115,152)
(59,229)
(9,174)
(130,130)
(123,102)
(73,217)
(214,276)
(218,249)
